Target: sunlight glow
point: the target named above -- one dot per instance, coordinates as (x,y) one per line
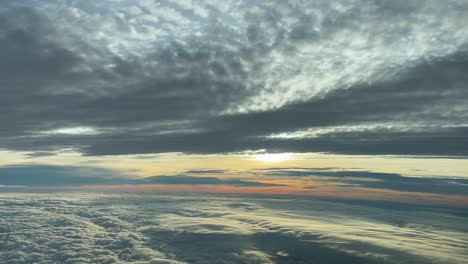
(74,131)
(279,157)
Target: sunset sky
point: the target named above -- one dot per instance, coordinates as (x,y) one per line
(167,87)
(350,100)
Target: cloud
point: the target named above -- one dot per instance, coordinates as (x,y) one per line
(80,236)
(48,175)
(431,133)
(206,171)
(376,180)
(354,77)
(189,180)
(95,227)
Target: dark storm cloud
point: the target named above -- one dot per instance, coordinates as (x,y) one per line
(378,180)
(212,92)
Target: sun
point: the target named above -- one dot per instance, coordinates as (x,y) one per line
(270,157)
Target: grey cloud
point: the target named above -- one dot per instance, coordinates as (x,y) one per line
(413,99)
(182,94)
(36,154)
(365,105)
(129,94)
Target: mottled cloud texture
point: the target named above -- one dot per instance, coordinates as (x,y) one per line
(135,77)
(153,228)
(88,88)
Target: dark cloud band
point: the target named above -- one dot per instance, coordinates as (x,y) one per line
(219,88)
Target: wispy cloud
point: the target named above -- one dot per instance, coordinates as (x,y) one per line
(377,180)
(190,180)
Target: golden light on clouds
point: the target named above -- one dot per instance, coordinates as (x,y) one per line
(273,157)
(174,163)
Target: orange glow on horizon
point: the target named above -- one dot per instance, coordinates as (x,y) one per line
(355,193)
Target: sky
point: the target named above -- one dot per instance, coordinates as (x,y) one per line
(164,88)
(340,102)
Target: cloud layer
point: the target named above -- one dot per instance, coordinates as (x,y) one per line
(181,228)
(132,77)
(373,180)
(47,176)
